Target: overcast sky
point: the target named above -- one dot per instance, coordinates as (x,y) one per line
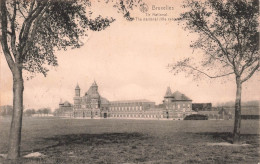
(128,60)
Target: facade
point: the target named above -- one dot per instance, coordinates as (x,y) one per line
(92,105)
(177,105)
(65,109)
(213,113)
(134,109)
(202,107)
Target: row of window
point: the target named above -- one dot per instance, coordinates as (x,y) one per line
(126,104)
(126,108)
(136,112)
(179,110)
(86,112)
(179,105)
(136,116)
(173,107)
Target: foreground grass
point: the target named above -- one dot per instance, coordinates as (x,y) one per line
(133,141)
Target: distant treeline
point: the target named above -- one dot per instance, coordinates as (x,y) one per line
(247,103)
(7,110)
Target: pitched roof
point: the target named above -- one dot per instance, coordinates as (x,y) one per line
(66,103)
(94,83)
(168,92)
(77,87)
(178,96)
(104,100)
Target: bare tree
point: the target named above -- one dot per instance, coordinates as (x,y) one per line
(31,32)
(228,36)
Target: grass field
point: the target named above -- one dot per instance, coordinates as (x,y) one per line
(132,141)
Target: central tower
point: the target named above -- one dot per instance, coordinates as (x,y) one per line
(77,99)
(95,97)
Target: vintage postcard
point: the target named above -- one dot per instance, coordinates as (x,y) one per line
(129,81)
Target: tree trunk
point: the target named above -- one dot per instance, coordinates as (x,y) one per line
(16,124)
(237,122)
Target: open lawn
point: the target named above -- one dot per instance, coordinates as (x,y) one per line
(133,141)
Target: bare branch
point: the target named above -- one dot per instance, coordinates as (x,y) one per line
(8,32)
(211,35)
(27,24)
(219,59)
(212,77)
(4,42)
(251,73)
(34,30)
(29,17)
(31,7)
(13,35)
(248,64)
(21,11)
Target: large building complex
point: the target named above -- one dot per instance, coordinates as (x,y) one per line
(92,105)
(177,105)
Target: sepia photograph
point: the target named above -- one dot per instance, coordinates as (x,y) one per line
(129,82)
